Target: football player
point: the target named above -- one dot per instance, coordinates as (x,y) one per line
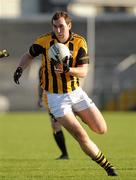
(65,94)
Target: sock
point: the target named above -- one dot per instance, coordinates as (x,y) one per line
(60,140)
(103,162)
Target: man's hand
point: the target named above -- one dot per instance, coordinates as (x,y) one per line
(66,65)
(63,67)
(18,74)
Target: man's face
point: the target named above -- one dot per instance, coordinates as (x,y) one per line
(61,29)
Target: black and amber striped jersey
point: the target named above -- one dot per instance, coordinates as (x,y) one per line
(64,82)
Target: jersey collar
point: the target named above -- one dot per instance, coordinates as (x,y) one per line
(69,39)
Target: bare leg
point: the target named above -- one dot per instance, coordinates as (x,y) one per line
(94,119)
(70,122)
(77,131)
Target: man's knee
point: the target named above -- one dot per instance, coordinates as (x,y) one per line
(101,129)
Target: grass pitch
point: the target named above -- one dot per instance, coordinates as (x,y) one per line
(28,150)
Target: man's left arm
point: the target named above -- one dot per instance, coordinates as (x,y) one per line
(80,71)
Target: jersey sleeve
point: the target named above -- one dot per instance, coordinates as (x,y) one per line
(36,49)
(82,56)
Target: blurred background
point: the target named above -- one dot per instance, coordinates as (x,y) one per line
(110,29)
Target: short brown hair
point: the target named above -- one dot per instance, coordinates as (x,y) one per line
(63,14)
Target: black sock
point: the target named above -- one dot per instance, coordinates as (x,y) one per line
(60,140)
(103,162)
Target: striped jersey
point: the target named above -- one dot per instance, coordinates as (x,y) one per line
(64,82)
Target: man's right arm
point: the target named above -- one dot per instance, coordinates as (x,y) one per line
(26,59)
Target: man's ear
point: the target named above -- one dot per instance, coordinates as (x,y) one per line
(70,26)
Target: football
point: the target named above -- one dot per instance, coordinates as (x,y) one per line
(58,53)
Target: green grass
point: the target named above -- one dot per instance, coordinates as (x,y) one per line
(28,150)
